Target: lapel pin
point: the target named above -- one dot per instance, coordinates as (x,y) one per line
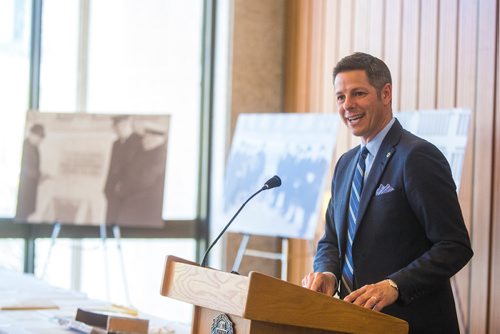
(388,154)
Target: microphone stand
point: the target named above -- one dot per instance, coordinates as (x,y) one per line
(203,262)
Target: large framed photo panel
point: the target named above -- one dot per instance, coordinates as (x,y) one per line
(93,169)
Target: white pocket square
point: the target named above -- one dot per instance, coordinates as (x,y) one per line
(384,189)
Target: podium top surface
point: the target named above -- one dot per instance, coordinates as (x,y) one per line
(263,298)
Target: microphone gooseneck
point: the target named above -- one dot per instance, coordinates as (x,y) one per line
(273,182)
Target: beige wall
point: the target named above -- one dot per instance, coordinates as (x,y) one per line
(442,54)
(257,57)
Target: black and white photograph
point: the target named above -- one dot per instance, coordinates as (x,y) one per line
(93,169)
(299,149)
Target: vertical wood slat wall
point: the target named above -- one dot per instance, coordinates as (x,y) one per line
(494,323)
(442,54)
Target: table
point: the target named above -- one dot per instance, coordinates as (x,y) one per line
(40,305)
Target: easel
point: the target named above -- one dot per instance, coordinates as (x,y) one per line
(56,229)
(281,256)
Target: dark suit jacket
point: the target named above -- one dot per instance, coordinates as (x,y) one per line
(414,235)
(142,189)
(28,186)
(122,154)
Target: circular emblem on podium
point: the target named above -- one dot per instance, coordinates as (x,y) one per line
(222,325)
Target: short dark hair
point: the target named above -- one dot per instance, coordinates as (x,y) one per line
(38,130)
(376,70)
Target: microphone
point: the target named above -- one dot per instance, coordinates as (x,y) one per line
(273,182)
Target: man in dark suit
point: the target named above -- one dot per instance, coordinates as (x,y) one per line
(123,153)
(143,183)
(407,237)
(31,175)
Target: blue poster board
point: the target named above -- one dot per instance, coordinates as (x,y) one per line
(299,149)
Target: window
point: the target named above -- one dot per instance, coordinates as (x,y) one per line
(15,26)
(114,57)
(12,254)
(14,84)
(137,57)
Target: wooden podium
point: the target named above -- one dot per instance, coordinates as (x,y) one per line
(263,304)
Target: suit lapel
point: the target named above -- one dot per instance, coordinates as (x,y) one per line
(385,153)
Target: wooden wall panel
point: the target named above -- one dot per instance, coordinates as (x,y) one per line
(343,13)
(344,38)
(330,53)
(484,117)
(297,53)
(467,55)
(292,68)
(430,47)
(392,45)
(466,98)
(409,55)
(437,61)
(376,37)
(447,48)
(466,85)
(257,57)
(442,54)
(316,69)
(494,287)
(362,18)
(427,57)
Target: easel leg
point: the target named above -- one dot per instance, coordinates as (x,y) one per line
(284,259)
(241,253)
(55,233)
(282,256)
(117,236)
(102,235)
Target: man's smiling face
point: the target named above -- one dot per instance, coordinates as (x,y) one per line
(363,110)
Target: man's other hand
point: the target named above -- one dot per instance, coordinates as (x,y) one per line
(320,282)
(374,296)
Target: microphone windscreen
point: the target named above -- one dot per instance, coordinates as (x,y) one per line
(273,182)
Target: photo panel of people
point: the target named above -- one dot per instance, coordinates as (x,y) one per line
(448,129)
(93,169)
(299,149)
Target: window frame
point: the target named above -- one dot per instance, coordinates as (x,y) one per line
(196,228)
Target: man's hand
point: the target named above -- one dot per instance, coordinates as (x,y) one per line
(374,296)
(320,282)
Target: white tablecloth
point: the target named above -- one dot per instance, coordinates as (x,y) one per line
(17,288)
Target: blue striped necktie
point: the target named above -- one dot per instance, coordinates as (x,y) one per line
(356,189)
